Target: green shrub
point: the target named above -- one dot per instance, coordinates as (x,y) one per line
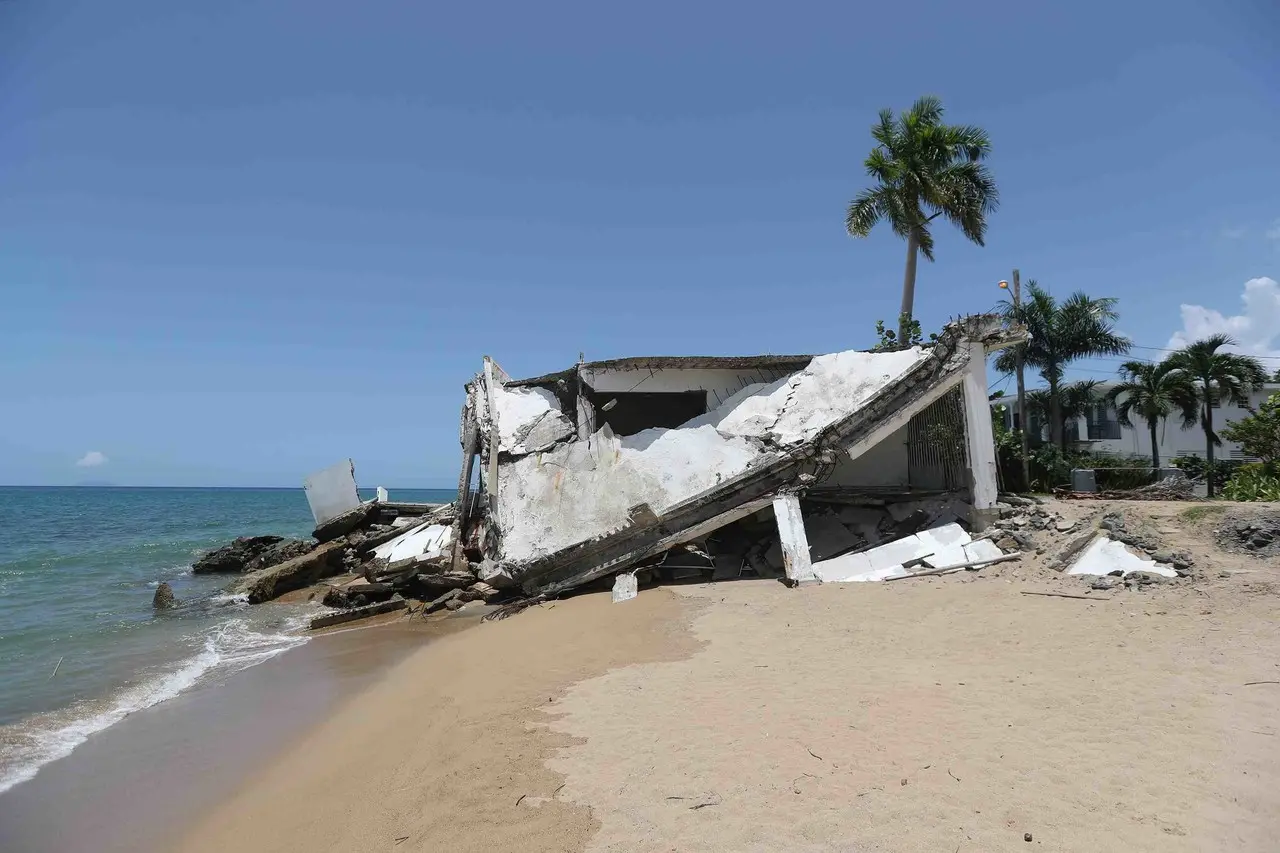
(1255,482)
(1194,467)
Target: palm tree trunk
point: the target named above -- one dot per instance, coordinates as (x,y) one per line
(1208,437)
(1155,448)
(908,291)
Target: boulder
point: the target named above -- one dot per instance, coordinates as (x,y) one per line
(269,583)
(164,598)
(234,557)
(249,554)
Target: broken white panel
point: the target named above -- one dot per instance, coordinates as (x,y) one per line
(382,496)
(1105,556)
(973,552)
(424,543)
(529,420)
(332,492)
(886,560)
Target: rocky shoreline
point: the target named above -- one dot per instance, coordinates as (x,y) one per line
(352,554)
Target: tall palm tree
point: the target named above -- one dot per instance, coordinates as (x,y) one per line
(1222,376)
(1060,333)
(924,169)
(1153,392)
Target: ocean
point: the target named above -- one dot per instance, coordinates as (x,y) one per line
(81,647)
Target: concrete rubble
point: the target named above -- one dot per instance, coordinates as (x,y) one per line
(849,466)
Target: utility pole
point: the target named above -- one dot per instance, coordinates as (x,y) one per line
(1022,386)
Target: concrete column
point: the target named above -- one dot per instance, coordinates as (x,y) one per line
(980,436)
(795,544)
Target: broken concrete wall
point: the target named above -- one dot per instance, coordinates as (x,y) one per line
(582,490)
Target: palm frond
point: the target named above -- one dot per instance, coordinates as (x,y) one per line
(867,208)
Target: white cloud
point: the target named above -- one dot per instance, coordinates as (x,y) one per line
(1257,328)
(92,459)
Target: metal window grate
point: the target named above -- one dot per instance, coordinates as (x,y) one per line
(937,457)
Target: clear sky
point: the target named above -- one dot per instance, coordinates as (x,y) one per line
(242,240)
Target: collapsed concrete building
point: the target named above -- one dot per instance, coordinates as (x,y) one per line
(781,466)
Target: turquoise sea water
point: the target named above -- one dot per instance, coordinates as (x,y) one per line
(78,568)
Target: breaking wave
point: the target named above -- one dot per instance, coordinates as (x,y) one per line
(229,647)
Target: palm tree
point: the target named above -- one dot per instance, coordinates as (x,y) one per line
(1074,400)
(1060,333)
(924,169)
(1153,392)
(1222,376)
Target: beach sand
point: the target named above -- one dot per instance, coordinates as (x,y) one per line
(930,715)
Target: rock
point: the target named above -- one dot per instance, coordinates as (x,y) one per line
(236,556)
(1182,560)
(269,583)
(1162,556)
(1039,522)
(1007,544)
(1224,574)
(1026,836)
(1023,539)
(1064,526)
(1145,578)
(1016,500)
(454,603)
(1104,583)
(250,553)
(164,598)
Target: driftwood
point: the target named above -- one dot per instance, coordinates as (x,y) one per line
(956,567)
(1065,595)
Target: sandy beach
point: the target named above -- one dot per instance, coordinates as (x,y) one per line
(942,714)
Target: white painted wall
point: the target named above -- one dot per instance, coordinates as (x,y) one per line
(1172,439)
(883,465)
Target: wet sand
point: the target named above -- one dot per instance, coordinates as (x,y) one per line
(141,782)
(448,750)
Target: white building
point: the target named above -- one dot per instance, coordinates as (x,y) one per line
(1101,432)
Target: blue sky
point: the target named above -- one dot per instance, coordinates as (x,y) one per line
(239,241)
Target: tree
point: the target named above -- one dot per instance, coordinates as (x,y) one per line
(1259,434)
(1074,400)
(1222,376)
(1153,392)
(924,169)
(1060,333)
